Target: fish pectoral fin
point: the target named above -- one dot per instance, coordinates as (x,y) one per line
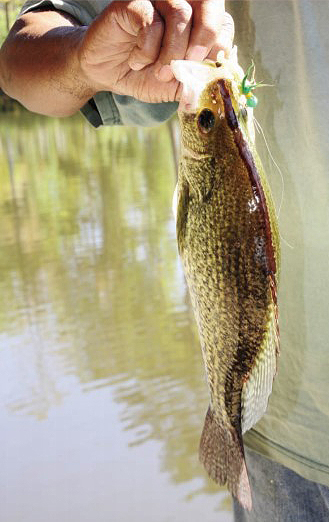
(258,387)
(181,212)
(221,452)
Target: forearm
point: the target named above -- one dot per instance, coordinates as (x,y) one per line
(52,65)
(39,64)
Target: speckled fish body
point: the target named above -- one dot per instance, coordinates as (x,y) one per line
(228,241)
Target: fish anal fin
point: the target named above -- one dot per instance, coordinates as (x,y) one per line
(221,452)
(258,387)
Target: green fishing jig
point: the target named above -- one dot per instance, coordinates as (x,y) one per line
(247,86)
(252,101)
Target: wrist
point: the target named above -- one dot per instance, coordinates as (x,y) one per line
(94,70)
(77,79)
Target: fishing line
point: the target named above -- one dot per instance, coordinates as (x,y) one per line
(260,130)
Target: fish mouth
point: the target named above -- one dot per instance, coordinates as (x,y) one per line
(194,76)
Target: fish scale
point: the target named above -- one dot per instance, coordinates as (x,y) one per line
(227,236)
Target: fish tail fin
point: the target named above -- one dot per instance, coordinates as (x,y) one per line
(221,452)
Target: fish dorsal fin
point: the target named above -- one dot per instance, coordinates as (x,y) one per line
(258,387)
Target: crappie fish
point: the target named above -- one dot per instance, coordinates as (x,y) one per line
(228,240)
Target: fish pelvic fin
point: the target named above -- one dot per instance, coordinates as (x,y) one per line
(221,453)
(258,387)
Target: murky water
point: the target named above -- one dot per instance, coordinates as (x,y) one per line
(102,390)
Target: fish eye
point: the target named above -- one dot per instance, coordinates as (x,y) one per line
(206,121)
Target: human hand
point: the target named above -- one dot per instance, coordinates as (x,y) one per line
(128,48)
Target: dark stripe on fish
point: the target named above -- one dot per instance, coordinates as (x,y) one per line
(256,184)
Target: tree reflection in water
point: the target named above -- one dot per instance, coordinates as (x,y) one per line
(91,283)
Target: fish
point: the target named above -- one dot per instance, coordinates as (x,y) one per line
(228,240)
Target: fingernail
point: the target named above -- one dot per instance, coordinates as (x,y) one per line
(225,43)
(137,66)
(197,53)
(165,74)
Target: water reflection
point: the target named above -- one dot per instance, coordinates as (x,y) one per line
(93,295)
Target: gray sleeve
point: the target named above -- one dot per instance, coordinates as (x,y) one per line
(83,11)
(106,108)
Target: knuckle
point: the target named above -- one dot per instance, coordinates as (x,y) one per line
(182,13)
(228,23)
(186,12)
(140,10)
(210,33)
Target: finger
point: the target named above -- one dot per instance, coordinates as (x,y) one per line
(139,18)
(225,39)
(207,21)
(177,16)
(148,44)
